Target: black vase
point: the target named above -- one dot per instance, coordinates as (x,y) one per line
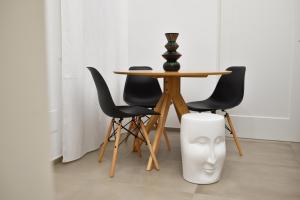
(171,55)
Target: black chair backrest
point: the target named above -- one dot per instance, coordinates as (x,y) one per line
(230,88)
(105,100)
(140,87)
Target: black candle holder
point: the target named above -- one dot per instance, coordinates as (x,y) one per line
(171,55)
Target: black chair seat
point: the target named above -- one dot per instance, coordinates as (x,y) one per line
(147,103)
(131,111)
(208,105)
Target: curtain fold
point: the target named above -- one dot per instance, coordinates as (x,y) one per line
(87,40)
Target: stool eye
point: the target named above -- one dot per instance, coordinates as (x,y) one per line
(201,140)
(219,139)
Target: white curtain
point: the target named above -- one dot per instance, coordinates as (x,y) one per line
(89,38)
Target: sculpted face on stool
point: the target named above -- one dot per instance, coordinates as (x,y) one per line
(203,148)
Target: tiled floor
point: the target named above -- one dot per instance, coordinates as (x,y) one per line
(268,170)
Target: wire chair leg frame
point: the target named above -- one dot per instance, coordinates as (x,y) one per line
(131,126)
(114,130)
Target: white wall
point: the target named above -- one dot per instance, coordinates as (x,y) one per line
(260,34)
(25,169)
(196,21)
(53,28)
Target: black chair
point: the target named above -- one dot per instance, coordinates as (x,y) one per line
(143,91)
(109,108)
(228,93)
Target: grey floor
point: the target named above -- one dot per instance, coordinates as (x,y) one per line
(268,170)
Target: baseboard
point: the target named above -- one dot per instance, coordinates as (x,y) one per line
(172,129)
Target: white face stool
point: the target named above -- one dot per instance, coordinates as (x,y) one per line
(203,147)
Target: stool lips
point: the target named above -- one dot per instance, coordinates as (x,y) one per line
(209,168)
(209,171)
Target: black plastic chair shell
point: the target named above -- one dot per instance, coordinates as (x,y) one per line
(141,90)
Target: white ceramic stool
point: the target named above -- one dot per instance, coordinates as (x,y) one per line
(203,149)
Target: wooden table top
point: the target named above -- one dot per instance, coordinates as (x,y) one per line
(161,74)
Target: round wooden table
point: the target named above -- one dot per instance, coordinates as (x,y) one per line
(171,94)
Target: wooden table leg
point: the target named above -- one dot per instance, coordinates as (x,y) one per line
(171,94)
(161,125)
(180,106)
(152,154)
(177,112)
(153,119)
(167,140)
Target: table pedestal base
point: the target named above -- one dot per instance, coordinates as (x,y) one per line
(171,94)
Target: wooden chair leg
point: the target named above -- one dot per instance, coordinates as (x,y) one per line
(115,154)
(236,140)
(136,142)
(144,132)
(103,146)
(127,136)
(138,147)
(167,140)
(134,149)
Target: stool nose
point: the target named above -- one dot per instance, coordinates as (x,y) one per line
(212,156)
